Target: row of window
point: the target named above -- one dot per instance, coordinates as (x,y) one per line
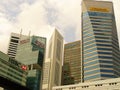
(97,22)
(98,52)
(94,45)
(108,15)
(90,36)
(96,57)
(15,37)
(109,61)
(98,17)
(87,86)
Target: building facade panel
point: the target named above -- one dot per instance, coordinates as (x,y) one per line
(54,62)
(100,41)
(13,43)
(13,70)
(31,51)
(110,84)
(71,73)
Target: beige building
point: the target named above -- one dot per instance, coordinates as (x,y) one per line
(53,65)
(71,72)
(110,84)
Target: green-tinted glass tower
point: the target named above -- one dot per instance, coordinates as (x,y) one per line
(12,70)
(31,51)
(100,47)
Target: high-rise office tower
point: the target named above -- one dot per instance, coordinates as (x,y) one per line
(31,51)
(100,47)
(53,64)
(71,73)
(13,43)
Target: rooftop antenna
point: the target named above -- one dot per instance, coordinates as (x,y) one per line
(20,32)
(29,34)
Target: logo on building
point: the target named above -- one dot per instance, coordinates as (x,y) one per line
(38,41)
(39,44)
(17,64)
(24,41)
(99,9)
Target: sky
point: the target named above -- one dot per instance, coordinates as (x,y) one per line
(41,17)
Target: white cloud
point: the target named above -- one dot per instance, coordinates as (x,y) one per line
(117,15)
(5,27)
(33,18)
(66,15)
(41,16)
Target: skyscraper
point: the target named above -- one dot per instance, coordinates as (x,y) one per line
(31,51)
(100,47)
(72,63)
(13,43)
(53,63)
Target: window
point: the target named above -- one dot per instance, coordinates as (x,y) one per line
(91,72)
(85,86)
(100,14)
(12,40)
(72,88)
(113,83)
(105,53)
(92,77)
(98,85)
(108,45)
(58,49)
(15,37)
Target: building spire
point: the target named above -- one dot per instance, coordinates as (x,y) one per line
(20,32)
(29,33)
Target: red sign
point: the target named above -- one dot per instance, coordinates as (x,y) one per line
(38,43)
(23,67)
(24,41)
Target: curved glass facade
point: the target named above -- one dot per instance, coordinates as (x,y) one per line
(100,42)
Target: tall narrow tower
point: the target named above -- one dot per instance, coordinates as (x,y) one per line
(100,47)
(53,64)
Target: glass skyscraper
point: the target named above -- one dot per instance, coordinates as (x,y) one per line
(71,73)
(31,51)
(100,47)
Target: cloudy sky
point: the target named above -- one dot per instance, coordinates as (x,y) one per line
(41,17)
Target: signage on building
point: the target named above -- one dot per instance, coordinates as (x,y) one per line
(38,41)
(39,44)
(24,41)
(99,9)
(23,67)
(17,64)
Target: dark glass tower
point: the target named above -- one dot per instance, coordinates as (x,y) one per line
(100,47)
